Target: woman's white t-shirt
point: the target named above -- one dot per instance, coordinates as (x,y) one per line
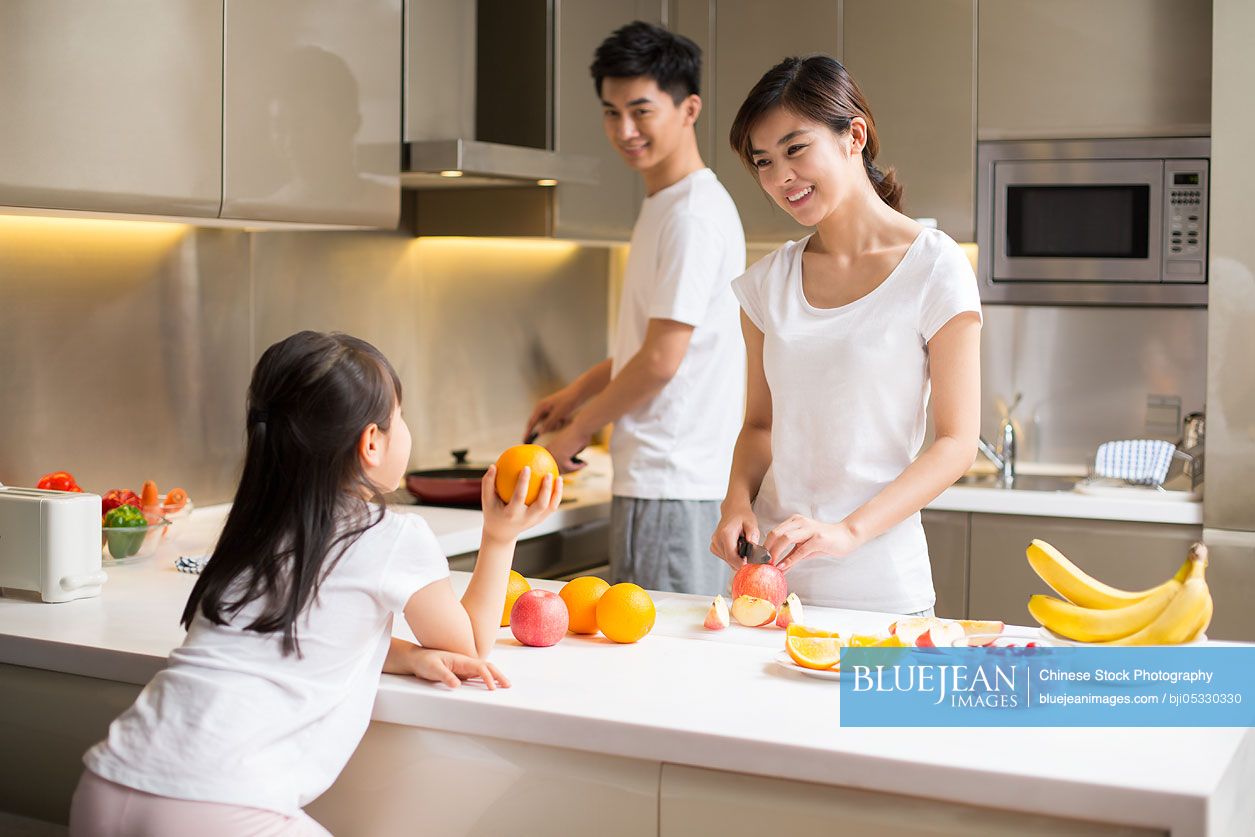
(849,394)
(232,720)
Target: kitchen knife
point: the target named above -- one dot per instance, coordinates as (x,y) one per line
(752,552)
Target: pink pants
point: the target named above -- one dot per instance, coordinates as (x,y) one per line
(104,809)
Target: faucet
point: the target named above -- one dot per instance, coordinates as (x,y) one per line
(1003,456)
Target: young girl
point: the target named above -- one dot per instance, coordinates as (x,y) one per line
(846,331)
(291,621)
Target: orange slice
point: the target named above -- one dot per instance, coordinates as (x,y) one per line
(795,629)
(814,652)
(874,641)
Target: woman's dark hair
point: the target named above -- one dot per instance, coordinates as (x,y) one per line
(816,88)
(302,494)
(643,49)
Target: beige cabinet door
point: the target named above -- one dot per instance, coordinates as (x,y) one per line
(1075,68)
(607,211)
(749,41)
(947,534)
(111,106)
(1121,553)
(312,112)
(922,92)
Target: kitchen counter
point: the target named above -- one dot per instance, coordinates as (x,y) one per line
(1134,507)
(687,696)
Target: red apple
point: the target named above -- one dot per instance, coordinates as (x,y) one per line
(909,628)
(539,618)
(753,612)
(717,616)
(940,635)
(790,612)
(762,581)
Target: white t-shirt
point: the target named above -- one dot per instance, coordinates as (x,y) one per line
(849,391)
(232,720)
(687,247)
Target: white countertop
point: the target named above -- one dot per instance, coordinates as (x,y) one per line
(685,695)
(1136,506)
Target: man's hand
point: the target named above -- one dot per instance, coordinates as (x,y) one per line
(553,412)
(565,445)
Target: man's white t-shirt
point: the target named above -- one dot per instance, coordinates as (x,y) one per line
(232,720)
(687,247)
(849,394)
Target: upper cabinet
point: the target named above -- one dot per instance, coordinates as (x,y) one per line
(1076,68)
(921,91)
(111,106)
(281,111)
(312,112)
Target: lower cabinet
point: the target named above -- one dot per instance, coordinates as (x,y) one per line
(696,801)
(1122,553)
(946,532)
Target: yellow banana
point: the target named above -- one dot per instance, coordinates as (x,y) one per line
(1204,622)
(1078,587)
(1088,624)
(1183,618)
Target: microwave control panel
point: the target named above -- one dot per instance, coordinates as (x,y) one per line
(1185,221)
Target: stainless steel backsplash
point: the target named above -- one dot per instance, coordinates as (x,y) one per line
(126,348)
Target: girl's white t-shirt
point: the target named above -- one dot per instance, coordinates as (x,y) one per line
(849,394)
(232,720)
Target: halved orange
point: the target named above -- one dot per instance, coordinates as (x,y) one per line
(813,651)
(874,641)
(795,629)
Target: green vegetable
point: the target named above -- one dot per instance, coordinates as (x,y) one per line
(124,544)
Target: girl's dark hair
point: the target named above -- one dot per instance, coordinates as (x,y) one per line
(643,49)
(816,88)
(302,494)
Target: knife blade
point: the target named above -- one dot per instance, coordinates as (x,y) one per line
(752,552)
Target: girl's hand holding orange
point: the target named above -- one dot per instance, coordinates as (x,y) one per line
(808,538)
(505,521)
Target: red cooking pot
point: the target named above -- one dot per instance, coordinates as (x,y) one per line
(456,486)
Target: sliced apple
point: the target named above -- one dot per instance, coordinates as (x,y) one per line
(910,628)
(753,612)
(940,635)
(790,611)
(717,616)
(987,630)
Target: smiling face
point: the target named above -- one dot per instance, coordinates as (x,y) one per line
(643,122)
(805,166)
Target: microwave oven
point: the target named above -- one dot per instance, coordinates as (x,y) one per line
(1093,222)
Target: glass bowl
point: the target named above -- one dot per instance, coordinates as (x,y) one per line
(123,544)
(176,518)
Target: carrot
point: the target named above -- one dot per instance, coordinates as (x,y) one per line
(148,494)
(175,500)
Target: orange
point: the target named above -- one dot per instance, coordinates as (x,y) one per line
(795,629)
(515,587)
(625,612)
(873,641)
(581,596)
(514,460)
(814,651)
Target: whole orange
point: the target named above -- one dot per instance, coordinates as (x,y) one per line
(514,460)
(581,596)
(625,612)
(515,587)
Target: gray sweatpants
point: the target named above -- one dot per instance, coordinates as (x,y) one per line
(665,545)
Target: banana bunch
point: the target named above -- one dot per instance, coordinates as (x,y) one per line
(1176,611)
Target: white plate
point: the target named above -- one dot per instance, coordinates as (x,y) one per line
(1050,635)
(783,660)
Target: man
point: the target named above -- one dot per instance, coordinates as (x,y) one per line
(675,384)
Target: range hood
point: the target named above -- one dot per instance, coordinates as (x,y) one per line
(479,97)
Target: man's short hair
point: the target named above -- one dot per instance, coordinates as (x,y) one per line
(644,49)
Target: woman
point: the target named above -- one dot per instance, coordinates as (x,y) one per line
(846,330)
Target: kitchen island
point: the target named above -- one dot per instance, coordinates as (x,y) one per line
(686,732)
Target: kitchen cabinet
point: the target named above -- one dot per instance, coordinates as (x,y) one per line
(1073,68)
(606,211)
(312,112)
(922,93)
(1122,553)
(947,534)
(112,106)
(692,799)
(282,112)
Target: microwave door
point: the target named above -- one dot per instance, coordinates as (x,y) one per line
(1078,221)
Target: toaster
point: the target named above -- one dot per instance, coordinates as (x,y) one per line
(50,544)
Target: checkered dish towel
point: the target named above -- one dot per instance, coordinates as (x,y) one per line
(1139,461)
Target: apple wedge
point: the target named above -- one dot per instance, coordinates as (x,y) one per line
(988,631)
(753,612)
(717,616)
(943,634)
(790,612)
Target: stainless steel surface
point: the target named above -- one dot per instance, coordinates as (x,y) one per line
(488,163)
(1086,373)
(1080,281)
(1021,482)
(1231,577)
(1230,502)
(1003,456)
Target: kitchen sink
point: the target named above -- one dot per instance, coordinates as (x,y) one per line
(1023,482)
